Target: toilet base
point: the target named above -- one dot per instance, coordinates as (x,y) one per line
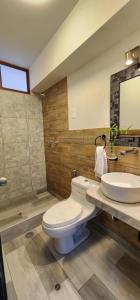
(66,244)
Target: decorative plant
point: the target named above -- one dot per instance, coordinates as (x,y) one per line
(125,131)
(114,133)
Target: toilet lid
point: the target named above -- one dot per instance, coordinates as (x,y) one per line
(62,213)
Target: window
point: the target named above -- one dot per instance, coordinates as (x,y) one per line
(14,78)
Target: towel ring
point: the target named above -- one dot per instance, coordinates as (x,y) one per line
(103,137)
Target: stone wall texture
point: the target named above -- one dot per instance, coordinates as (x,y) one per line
(22,159)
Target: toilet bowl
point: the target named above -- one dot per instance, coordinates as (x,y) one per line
(66,221)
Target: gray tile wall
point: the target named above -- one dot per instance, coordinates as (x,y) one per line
(22,158)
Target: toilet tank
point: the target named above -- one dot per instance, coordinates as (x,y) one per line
(80,185)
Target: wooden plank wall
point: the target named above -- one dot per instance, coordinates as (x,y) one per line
(66,150)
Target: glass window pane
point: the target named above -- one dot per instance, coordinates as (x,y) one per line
(13,78)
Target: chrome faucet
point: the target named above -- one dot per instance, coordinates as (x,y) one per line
(3,181)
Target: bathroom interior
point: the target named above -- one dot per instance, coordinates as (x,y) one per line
(69,149)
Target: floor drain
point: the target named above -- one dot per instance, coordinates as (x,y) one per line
(57,287)
(29,234)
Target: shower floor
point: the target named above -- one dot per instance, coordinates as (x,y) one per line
(24,213)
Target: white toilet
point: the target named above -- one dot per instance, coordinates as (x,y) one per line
(66,220)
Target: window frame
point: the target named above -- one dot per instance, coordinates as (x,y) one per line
(4,63)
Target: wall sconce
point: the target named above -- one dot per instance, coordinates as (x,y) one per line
(138,67)
(132,56)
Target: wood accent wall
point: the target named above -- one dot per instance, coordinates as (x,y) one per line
(66,150)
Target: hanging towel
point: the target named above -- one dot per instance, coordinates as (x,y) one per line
(101,166)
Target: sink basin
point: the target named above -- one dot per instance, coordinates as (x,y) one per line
(121,187)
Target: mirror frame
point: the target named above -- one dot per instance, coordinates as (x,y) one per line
(132,138)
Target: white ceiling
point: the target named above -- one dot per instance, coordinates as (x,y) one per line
(125,22)
(27,25)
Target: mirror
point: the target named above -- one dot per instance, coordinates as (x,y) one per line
(130,103)
(125,105)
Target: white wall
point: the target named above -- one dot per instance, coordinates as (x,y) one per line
(89,87)
(84,20)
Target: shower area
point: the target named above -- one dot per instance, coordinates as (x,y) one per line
(22,159)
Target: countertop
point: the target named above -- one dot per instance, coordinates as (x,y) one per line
(128,213)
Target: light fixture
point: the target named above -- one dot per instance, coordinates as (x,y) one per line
(128,58)
(43,94)
(36,2)
(138,67)
(132,56)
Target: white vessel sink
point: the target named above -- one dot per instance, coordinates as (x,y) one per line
(121,187)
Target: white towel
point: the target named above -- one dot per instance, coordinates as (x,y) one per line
(101,166)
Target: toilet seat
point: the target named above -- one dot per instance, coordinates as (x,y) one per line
(63,213)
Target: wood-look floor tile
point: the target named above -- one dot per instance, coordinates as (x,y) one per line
(67,292)
(98,268)
(73,265)
(18,229)
(94,256)
(94,289)
(11,219)
(30,258)
(130,267)
(108,273)
(16,214)
(11,294)
(6,269)
(33,218)
(42,200)
(107,248)
(49,271)
(26,280)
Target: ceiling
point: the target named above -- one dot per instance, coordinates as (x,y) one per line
(115,30)
(27,25)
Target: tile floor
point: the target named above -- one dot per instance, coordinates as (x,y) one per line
(100,268)
(27,215)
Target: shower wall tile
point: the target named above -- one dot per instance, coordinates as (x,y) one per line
(0,132)
(17,195)
(33,107)
(12,105)
(4,200)
(22,158)
(37,152)
(14,130)
(16,154)
(35,129)
(38,176)
(1,160)
(19,180)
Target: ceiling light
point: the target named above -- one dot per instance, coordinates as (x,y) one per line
(132,56)
(36,2)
